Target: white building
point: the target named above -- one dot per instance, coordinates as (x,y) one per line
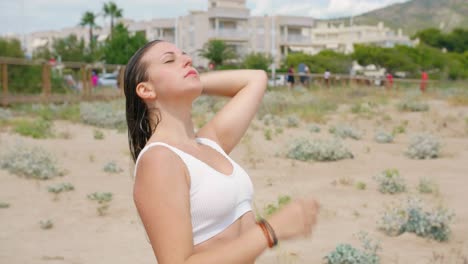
(230,20)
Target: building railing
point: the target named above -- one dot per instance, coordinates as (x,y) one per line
(229,34)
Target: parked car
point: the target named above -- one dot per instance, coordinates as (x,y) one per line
(280,80)
(108,79)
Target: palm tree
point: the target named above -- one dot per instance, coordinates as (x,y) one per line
(88,19)
(111,10)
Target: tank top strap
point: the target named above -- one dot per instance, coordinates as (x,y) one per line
(212,144)
(177,151)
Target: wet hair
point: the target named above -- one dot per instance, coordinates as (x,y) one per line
(137,112)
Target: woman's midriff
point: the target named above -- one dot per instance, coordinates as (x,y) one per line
(240,226)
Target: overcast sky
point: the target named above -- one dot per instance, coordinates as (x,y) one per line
(24,16)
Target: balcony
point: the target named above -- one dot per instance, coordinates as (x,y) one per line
(296,39)
(224,12)
(229,34)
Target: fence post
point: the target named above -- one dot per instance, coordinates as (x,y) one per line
(46,84)
(121,80)
(4,84)
(84,81)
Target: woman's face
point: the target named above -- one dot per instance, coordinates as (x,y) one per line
(171,73)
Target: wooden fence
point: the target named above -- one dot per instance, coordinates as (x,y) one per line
(88,93)
(46,95)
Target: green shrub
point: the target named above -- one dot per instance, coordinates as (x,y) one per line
(59,188)
(319,150)
(293,121)
(267,134)
(427,186)
(34,128)
(390,182)
(98,135)
(112,167)
(5,114)
(345,131)
(314,128)
(361,185)
(413,217)
(413,106)
(103,199)
(32,162)
(383,137)
(272,207)
(278,130)
(46,224)
(347,254)
(365,109)
(4,205)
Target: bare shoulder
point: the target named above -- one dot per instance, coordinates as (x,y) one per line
(162,197)
(159,162)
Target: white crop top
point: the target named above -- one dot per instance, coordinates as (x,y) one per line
(216,200)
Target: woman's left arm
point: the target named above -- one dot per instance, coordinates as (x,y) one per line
(246,87)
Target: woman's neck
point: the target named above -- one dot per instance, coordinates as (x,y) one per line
(175,125)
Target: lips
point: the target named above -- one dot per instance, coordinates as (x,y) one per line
(191,72)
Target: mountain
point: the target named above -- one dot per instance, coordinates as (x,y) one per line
(415,15)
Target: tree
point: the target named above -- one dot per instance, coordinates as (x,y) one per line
(430,36)
(11,48)
(21,78)
(69,48)
(111,10)
(122,46)
(43,53)
(89,19)
(326,59)
(257,61)
(217,52)
(455,41)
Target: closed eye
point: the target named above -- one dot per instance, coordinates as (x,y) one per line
(169,61)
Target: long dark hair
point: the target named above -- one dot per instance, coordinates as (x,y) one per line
(137,112)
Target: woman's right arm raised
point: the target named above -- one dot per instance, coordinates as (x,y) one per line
(162,197)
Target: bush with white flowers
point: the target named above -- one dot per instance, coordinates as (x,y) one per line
(390,181)
(383,137)
(415,217)
(346,131)
(423,146)
(319,150)
(32,162)
(104,114)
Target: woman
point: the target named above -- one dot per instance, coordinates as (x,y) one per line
(193,200)
(290,79)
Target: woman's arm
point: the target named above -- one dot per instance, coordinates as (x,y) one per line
(162,197)
(246,87)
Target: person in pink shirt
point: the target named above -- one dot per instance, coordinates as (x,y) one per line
(94,79)
(389,80)
(424,78)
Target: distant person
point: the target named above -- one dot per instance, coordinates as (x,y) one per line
(307,76)
(94,78)
(326,77)
(290,80)
(301,69)
(424,80)
(70,81)
(389,83)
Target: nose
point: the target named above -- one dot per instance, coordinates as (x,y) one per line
(187,60)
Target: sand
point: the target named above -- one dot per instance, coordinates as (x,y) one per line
(79,235)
